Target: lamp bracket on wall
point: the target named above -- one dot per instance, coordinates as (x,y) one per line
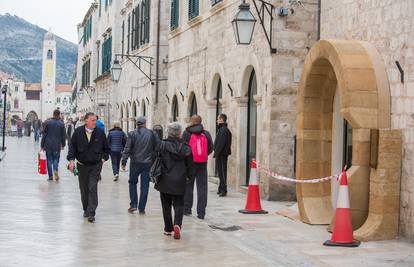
(266,9)
(139,62)
(182,96)
(231,89)
(89,91)
(168,98)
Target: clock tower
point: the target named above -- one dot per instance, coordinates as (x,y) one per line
(48,76)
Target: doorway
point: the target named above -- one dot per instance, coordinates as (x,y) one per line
(251,123)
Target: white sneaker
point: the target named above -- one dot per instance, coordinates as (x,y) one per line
(116,178)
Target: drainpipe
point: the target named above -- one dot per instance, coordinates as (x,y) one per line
(157,71)
(319,20)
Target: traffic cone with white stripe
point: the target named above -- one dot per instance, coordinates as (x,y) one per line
(342,235)
(253,205)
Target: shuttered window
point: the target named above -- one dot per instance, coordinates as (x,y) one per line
(174,14)
(193,8)
(106,55)
(87,31)
(128,33)
(86,73)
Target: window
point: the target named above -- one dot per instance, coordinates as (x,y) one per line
(193,9)
(123,36)
(145,21)
(87,31)
(133,26)
(33,95)
(86,73)
(106,54)
(214,2)
(174,14)
(58,100)
(100,7)
(50,54)
(128,33)
(16,103)
(16,88)
(136,28)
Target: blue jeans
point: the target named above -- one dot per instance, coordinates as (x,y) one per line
(135,170)
(116,161)
(36,135)
(52,158)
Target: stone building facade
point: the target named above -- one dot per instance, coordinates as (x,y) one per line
(255,88)
(389,26)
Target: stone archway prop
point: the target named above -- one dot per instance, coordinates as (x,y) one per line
(356,69)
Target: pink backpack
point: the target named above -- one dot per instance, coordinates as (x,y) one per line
(198,144)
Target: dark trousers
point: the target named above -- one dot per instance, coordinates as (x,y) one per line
(116,161)
(52,160)
(36,135)
(135,170)
(222,173)
(88,185)
(199,176)
(177,202)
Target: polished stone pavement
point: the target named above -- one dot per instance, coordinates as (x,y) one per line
(41,224)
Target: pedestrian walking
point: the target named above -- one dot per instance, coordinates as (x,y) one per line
(20,126)
(37,124)
(117,140)
(90,148)
(140,148)
(80,122)
(69,130)
(201,146)
(222,150)
(176,162)
(53,141)
(100,124)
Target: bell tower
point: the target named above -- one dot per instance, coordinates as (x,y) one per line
(48,76)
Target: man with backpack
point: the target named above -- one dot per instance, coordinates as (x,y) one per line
(201,145)
(140,147)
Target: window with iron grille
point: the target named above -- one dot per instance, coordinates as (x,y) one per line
(193,9)
(106,54)
(175,8)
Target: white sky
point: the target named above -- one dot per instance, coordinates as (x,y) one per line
(60,15)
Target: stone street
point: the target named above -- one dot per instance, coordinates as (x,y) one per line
(41,224)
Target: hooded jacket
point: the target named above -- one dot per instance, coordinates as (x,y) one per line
(176,160)
(197,129)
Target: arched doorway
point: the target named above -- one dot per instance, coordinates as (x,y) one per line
(174,109)
(143,108)
(251,122)
(31,116)
(219,95)
(134,113)
(343,88)
(193,105)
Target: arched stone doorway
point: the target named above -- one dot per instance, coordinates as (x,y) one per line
(354,72)
(251,123)
(174,109)
(193,108)
(31,116)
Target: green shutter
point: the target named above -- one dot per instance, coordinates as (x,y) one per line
(193,8)
(147,24)
(174,14)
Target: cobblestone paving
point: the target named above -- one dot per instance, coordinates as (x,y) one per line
(41,224)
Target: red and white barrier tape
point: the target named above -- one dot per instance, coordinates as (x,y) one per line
(287,179)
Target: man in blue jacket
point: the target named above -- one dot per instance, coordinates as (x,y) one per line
(53,140)
(117,140)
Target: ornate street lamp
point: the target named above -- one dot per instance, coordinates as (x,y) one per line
(116,70)
(243,24)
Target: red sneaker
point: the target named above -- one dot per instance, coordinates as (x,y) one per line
(177,232)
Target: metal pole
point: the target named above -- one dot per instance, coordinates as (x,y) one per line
(4,90)
(157,86)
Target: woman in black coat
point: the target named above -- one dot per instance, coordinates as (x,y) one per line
(176,159)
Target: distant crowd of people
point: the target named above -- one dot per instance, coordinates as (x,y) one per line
(183,156)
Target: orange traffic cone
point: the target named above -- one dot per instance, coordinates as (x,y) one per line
(342,235)
(253,205)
